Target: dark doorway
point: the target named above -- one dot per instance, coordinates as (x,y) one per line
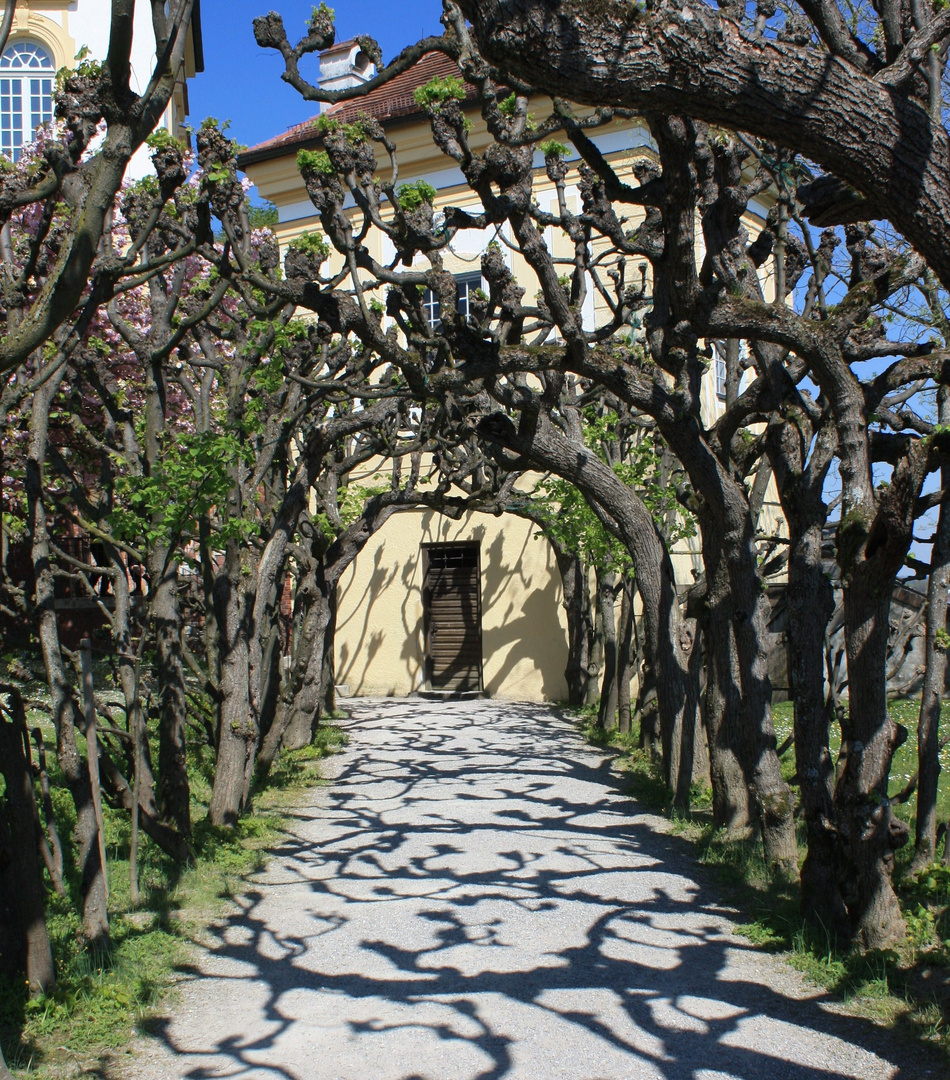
(453,617)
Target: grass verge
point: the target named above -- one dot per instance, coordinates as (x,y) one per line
(105,999)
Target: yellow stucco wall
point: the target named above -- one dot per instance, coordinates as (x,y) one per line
(380,640)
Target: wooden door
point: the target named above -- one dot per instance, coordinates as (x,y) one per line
(453,617)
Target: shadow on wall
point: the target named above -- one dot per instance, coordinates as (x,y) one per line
(358,643)
(521,626)
(380,630)
(475,899)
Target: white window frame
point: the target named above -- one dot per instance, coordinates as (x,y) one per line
(431,308)
(27,73)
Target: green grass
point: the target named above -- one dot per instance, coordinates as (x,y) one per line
(899,987)
(104,998)
(904,711)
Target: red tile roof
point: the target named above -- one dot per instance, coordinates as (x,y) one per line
(394,100)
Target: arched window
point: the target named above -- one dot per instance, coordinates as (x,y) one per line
(26,95)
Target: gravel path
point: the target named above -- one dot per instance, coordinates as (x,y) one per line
(474,898)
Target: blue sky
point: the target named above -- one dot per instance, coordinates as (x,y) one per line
(241,82)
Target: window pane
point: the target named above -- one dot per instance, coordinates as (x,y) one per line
(41,103)
(721,378)
(467,284)
(432,308)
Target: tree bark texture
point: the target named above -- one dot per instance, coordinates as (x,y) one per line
(328,694)
(173,787)
(810,606)
(744,764)
(870,833)
(625,660)
(800,479)
(129,681)
(298,706)
(733,808)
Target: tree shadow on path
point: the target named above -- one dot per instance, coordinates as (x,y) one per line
(475,898)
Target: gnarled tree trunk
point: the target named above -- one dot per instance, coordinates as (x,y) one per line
(606,602)
(238,734)
(744,764)
(580,628)
(24,874)
(625,657)
(869,832)
(298,705)
(174,793)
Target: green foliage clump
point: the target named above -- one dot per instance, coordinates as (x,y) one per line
(507,105)
(192,478)
(262,216)
(147,186)
(349,508)
(553,148)
(327,125)
(311,244)
(86,68)
(439,90)
(162,138)
(412,196)
(576,527)
(572,523)
(315,161)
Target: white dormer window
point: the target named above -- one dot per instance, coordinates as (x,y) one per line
(26,95)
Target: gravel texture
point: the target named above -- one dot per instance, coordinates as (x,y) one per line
(473,898)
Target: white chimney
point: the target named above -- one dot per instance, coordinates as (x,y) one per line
(345,65)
